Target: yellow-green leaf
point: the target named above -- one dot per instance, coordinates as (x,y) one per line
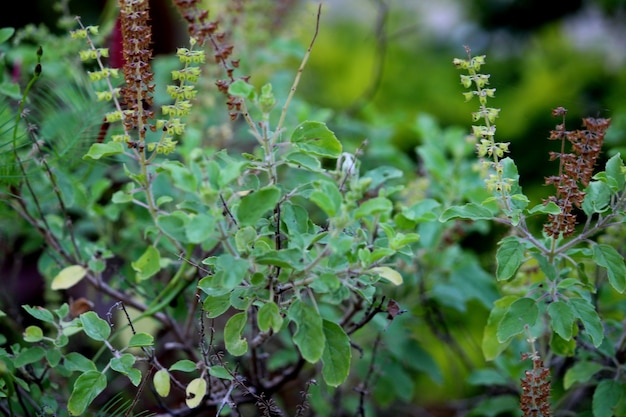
(68,277)
(389,274)
(196,390)
(161,382)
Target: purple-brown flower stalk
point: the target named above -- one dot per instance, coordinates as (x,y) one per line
(575,170)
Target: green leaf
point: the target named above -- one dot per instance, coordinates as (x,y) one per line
(200,228)
(337,354)
(196,390)
(509,257)
(33,334)
(550,208)
(220,372)
(174,225)
(470,211)
(181,176)
(309,336)
(216,305)
(240,88)
(562,318)
(68,277)
(233,332)
(124,365)
(372,207)
(229,271)
(254,205)
(523,312)
(315,138)
(269,317)
(589,318)
(86,388)
(28,356)
(607,395)
(74,361)
(184,365)
(606,256)
(141,340)
(284,258)
(580,372)
(94,326)
(490,344)
(615,171)
(162,383)
(597,198)
(327,197)
(102,150)
(303,160)
(6,33)
(39,313)
(148,264)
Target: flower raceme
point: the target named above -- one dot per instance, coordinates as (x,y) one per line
(575,170)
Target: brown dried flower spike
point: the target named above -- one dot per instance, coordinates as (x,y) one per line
(575,170)
(136,37)
(535,398)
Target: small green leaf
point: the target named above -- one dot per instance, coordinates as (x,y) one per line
(549,208)
(74,361)
(196,390)
(562,318)
(220,372)
(597,198)
(615,171)
(269,317)
(33,334)
(86,388)
(580,372)
(337,354)
(174,225)
(200,228)
(523,312)
(470,211)
(102,150)
(39,313)
(309,335)
(148,264)
(606,256)
(509,257)
(589,318)
(284,258)
(372,207)
(216,305)
(161,381)
(184,365)
(254,205)
(68,277)
(233,332)
(327,197)
(315,138)
(141,340)
(607,395)
(94,326)
(124,365)
(28,356)
(6,33)
(240,88)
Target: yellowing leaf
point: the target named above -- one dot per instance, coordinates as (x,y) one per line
(68,277)
(196,391)
(161,381)
(389,274)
